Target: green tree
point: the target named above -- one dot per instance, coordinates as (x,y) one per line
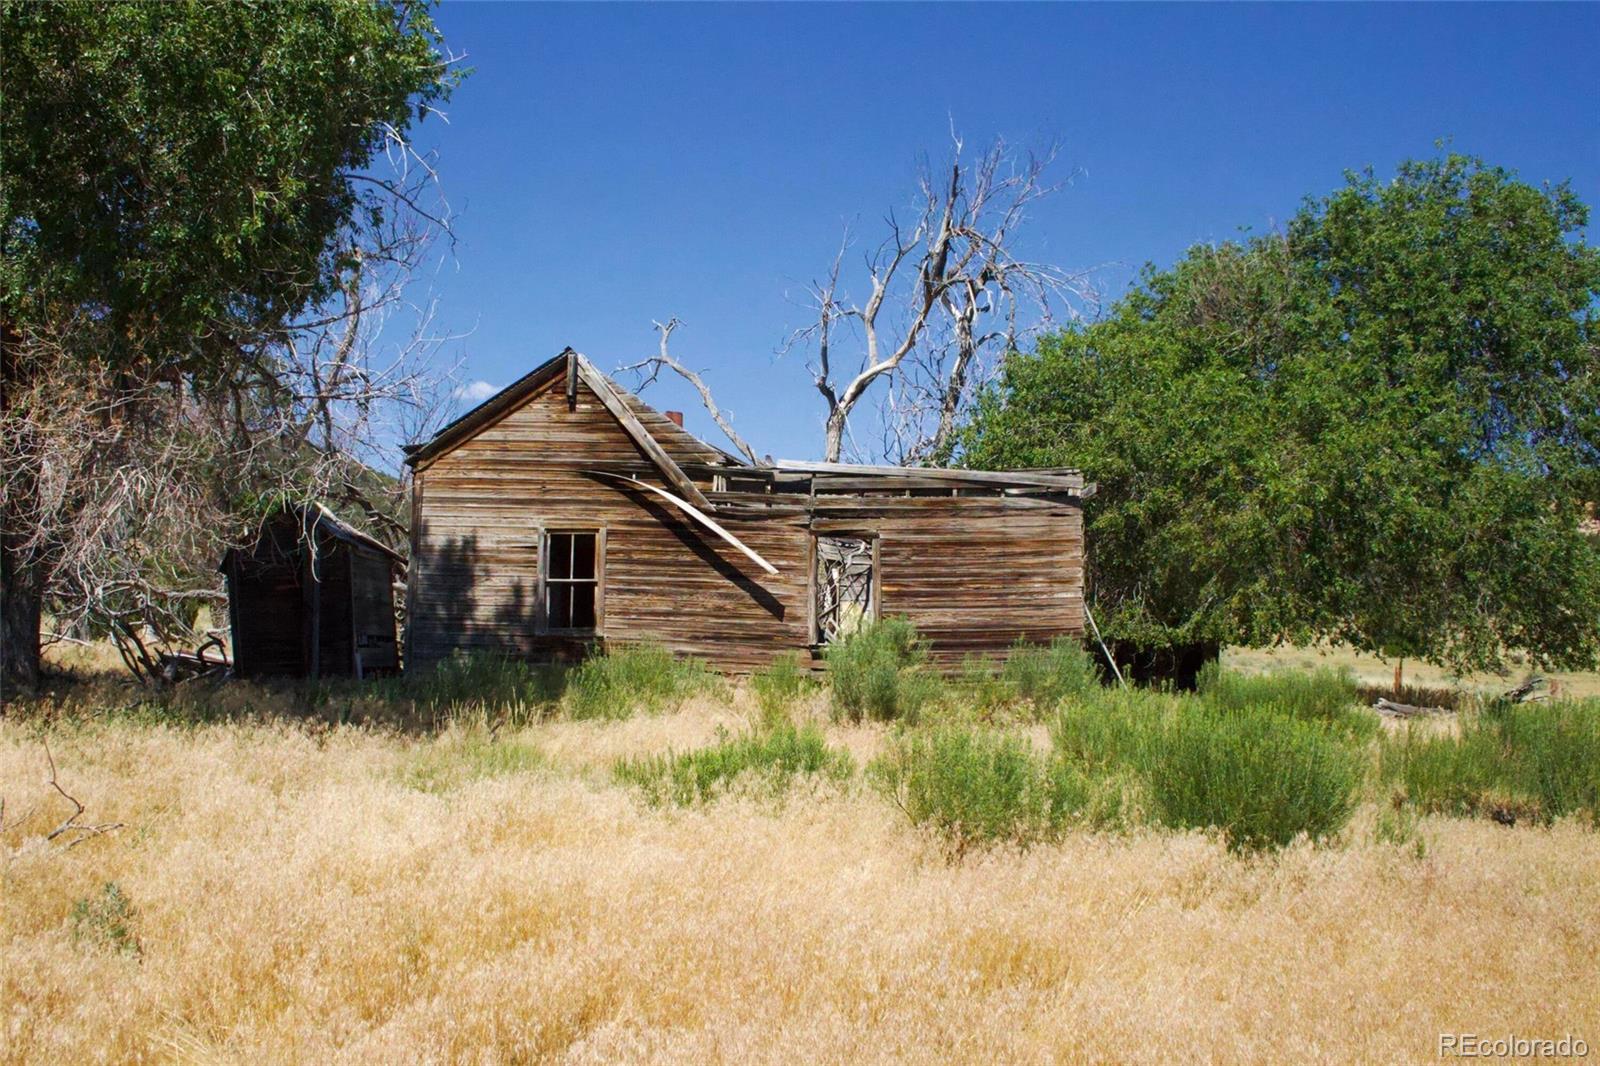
(1377,428)
(178,182)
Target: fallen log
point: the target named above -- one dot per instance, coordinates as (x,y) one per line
(1525,692)
(1407,710)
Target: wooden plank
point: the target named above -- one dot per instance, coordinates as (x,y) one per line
(1067,482)
(699,516)
(619,410)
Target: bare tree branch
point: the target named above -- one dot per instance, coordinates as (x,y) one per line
(946,296)
(71,825)
(950,273)
(650,368)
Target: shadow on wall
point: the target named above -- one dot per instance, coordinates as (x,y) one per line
(454,612)
(476,600)
(692,539)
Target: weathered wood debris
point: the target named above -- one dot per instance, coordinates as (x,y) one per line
(1535,688)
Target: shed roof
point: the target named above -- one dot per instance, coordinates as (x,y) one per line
(325,521)
(316,517)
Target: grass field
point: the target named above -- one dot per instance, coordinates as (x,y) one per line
(286,889)
(1379,673)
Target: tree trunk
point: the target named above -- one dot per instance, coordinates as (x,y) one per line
(20,613)
(21,590)
(834,441)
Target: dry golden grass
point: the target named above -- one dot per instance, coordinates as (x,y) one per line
(296,900)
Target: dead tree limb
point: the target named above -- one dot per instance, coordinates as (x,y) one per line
(945,295)
(649,369)
(1528,690)
(1392,709)
(71,825)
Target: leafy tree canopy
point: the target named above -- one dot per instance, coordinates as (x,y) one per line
(1379,428)
(181,169)
(193,228)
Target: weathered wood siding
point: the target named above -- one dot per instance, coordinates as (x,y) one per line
(290,619)
(482,507)
(974,573)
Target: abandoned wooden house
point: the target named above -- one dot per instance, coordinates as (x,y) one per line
(312,596)
(563,512)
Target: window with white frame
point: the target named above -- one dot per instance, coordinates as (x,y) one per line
(570,580)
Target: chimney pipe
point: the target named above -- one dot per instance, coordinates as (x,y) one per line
(676,417)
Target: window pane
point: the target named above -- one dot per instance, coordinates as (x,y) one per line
(582,606)
(558,606)
(583,545)
(559,560)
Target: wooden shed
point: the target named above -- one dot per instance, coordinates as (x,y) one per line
(312,596)
(563,512)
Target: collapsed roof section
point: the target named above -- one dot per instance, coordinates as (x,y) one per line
(681,458)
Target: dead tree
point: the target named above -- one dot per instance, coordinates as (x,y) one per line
(946,294)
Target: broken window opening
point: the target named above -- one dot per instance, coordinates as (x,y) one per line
(843,586)
(571,575)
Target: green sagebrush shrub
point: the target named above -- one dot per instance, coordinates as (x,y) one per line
(1324,695)
(1260,775)
(631,679)
(769,758)
(1033,679)
(1525,761)
(1044,675)
(779,687)
(1262,778)
(1117,730)
(880,672)
(980,786)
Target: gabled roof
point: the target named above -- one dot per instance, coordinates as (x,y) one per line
(664,441)
(501,403)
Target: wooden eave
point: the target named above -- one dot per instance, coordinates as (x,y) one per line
(631,413)
(790,477)
(489,411)
(1058,480)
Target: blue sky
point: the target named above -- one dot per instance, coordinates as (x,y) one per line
(610,165)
